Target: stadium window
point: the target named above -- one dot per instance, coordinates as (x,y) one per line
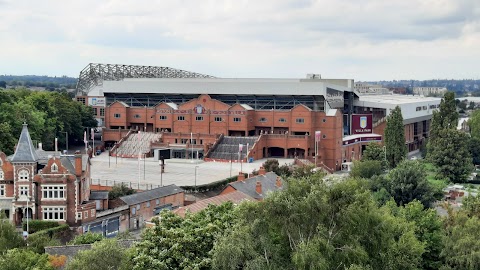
(199,118)
(418,109)
(282,120)
(95,112)
(218,119)
(2,190)
(81,100)
(300,120)
(136,116)
(324,136)
(424,107)
(237,119)
(181,118)
(163,117)
(102,111)
(324,120)
(117,115)
(263,119)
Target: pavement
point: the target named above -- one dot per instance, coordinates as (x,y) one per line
(181,172)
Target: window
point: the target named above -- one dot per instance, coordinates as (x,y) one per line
(79,215)
(136,116)
(116,115)
(418,109)
(55,213)
(23,190)
(262,119)
(163,117)
(54,168)
(23,175)
(138,206)
(92,213)
(95,111)
(424,107)
(2,190)
(218,119)
(81,100)
(2,175)
(148,204)
(134,211)
(282,120)
(157,202)
(85,214)
(300,120)
(53,192)
(199,118)
(102,111)
(181,118)
(324,120)
(324,136)
(237,119)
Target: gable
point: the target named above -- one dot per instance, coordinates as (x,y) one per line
(237,107)
(206,102)
(301,108)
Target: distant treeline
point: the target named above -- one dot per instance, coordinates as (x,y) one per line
(39,81)
(459,86)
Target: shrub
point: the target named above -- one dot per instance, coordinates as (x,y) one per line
(39,225)
(120,190)
(86,238)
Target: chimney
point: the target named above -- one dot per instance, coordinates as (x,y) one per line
(258,187)
(240,176)
(78,163)
(40,146)
(278,182)
(261,171)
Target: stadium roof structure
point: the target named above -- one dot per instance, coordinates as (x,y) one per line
(94,74)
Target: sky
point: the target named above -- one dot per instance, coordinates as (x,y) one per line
(365,40)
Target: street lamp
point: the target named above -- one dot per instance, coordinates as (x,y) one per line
(196,167)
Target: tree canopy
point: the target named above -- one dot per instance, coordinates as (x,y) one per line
(395,147)
(105,254)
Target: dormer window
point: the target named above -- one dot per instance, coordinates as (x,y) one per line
(23,175)
(54,168)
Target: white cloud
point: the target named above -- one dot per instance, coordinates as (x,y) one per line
(364,40)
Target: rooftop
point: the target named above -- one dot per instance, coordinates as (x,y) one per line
(25,151)
(248,186)
(397,99)
(151,194)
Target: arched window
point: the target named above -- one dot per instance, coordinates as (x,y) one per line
(23,175)
(54,168)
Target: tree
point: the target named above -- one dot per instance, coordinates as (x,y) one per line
(474,149)
(408,182)
(3,84)
(86,238)
(474,124)
(396,150)
(182,243)
(120,190)
(451,155)
(9,237)
(373,151)
(445,118)
(471,105)
(366,169)
(310,225)
(271,165)
(106,254)
(24,259)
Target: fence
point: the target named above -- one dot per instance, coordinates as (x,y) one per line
(99,184)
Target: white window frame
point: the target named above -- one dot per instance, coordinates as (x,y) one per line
(2,191)
(148,204)
(79,215)
(23,175)
(117,115)
(23,190)
(198,118)
(2,175)
(237,119)
(300,120)
(180,118)
(54,213)
(54,192)
(282,120)
(163,117)
(136,116)
(92,213)
(218,119)
(85,214)
(54,168)
(262,120)
(134,210)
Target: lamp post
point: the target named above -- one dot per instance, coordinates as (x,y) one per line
(196,167)
(66,140)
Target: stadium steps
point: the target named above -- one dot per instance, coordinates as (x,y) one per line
(227,148)
(138,144)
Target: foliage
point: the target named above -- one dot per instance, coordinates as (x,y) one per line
(24,259)
(36,225)
(105,254)
(373,151)
(396,150)
(57,261)
(471,206)
(217,185)
(48,115)
(86,238)
(310,225)
(9,237)
(366,168)
(182,243)
(38,242)
(55,231)
(474,124)
(474,149)
(120,190)
(408,182)
(271,165)
(451,155)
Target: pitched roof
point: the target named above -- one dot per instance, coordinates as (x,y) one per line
(25,151)
(235,197)
(151,194)
(68,164)
(98,195)
(44,156)
(248,186)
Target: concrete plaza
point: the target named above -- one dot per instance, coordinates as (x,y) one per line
(181,172)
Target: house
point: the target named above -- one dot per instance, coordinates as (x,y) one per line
(45,185)
(235,197)
(256,187)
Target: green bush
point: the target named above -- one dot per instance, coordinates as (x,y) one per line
(212,186)
(53,232)
(86,238)
(39,225)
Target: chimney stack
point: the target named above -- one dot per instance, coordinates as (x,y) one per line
(258,187)
(278,182)
(261,171)
(78,163)
(241,176)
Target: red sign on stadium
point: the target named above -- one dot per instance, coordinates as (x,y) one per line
(361,124)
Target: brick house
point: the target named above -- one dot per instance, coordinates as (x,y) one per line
(45,185)
(256,187)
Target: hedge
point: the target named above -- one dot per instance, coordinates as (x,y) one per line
(211,186)
(53,231)
(36,225)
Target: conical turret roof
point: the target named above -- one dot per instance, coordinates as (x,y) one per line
(25,151)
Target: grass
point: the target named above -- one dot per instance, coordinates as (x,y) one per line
(433,177)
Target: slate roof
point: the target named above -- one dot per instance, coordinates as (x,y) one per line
(151,194)
(248,186)
(68,164)
(98,195)
(43,155)
(25,151)
(235,197)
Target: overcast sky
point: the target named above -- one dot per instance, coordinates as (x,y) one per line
(358,39)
